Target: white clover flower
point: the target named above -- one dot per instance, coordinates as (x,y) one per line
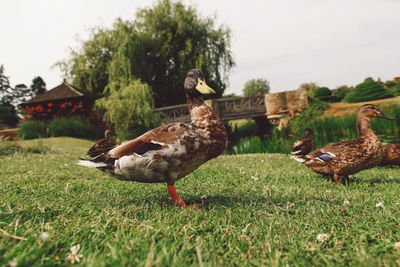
(44,236)
(322,237)
(346,202)
(74,256)
(254,178)
(12,263)
(397,245)
(328,191)
(380,205)
(203,197)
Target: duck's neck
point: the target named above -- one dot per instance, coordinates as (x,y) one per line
(199,111)
(363,125)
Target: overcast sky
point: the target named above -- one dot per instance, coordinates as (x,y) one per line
(287,42)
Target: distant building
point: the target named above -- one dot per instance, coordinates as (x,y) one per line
(63,100)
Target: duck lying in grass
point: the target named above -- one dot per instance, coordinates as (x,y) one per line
(349,157)
(169,152)
(391,155)
(304,145)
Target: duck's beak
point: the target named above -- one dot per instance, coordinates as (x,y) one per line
(203,88)
(384,116)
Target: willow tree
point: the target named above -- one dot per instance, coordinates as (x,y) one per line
(128,103)
(162,43)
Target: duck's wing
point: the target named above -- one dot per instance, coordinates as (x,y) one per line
(338,150)
(155,139)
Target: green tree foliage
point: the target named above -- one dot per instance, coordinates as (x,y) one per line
(310,88)
(393,86)
(5,88)
(129,107)
(232,95)
(322,92)
(341,92)
(367,90)
(38,86)
(160,46)
(8,114)
(314,111)
(255,86)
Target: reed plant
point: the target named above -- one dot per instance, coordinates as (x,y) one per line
(326,129)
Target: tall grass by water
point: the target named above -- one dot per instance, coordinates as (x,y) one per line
(327,130)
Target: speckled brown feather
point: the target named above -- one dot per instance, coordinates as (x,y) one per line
(391,155)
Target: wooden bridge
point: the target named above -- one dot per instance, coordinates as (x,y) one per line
(279,108)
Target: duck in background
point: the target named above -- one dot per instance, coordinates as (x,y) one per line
(103,145)
(169,152)
(304,145)
(349,157)
(391,155)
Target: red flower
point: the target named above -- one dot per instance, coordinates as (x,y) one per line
(50,104)
(22,109)
(25,118)
(39,108)
(63,105)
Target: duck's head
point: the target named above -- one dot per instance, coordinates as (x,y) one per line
(195,82)
(371,111)
(308,133)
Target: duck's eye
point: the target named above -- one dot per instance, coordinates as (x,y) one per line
(201,83)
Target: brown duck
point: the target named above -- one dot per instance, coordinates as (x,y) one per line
(169,152)
(304,145)
(349,157)
(391,155)
(103,145)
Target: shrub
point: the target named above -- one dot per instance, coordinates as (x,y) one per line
(8,114)
(73,127)
(395,90)
(341,92)
(32,129)
(322,92)
(367,90)
(314,110)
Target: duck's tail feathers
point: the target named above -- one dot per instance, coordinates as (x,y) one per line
(299,158)
(91,164)
(296,152)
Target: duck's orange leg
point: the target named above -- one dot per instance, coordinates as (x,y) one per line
(336,176)
(174,196)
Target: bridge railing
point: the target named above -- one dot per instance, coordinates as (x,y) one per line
(278,107)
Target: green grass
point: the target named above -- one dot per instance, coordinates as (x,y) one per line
(263,209)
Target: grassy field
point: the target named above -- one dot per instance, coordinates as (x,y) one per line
(263,209)
(343,109)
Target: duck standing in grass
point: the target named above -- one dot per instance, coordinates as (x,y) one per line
(349,157)
(304,145)
(391,155)
(169,152)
